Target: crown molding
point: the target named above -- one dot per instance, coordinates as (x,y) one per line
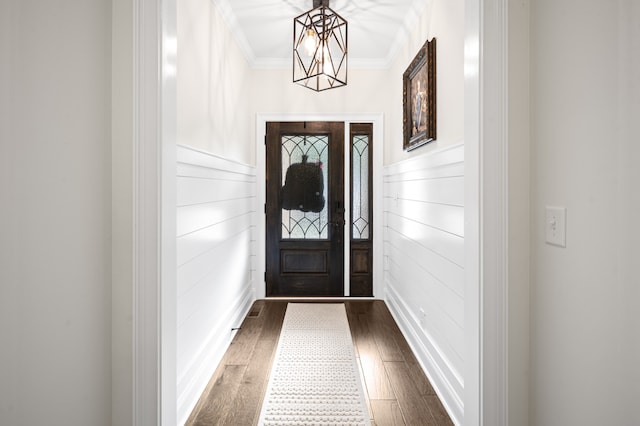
(229,17)
(411,20)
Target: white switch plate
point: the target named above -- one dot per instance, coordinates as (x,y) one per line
(556,226)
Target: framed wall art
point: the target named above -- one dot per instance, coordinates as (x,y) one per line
(419,98)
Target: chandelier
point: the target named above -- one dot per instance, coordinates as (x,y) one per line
(320,48)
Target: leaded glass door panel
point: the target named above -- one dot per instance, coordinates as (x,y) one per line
(305,209)
(361,238)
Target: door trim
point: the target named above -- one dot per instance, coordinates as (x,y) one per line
(486,25)
(154,292)
(487,362)
(378,131)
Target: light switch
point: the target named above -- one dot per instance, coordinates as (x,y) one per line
(556,226)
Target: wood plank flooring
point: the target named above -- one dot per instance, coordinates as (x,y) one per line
(398,392)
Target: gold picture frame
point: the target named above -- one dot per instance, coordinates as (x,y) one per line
(419,98)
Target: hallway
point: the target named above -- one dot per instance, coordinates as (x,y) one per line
(536,100)
(398,393)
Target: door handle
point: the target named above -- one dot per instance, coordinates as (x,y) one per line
(338,222)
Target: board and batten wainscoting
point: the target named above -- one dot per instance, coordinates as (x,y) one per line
(215,229)
(424,264)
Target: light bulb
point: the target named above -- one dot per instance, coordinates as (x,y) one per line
(310,42)
(326,63)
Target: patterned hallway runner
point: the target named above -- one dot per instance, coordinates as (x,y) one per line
(315,378)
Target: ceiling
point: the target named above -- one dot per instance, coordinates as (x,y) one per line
(264,28)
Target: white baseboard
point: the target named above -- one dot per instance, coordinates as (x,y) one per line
(200,371)
(433,363)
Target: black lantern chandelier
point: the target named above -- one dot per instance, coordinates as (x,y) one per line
(320,48)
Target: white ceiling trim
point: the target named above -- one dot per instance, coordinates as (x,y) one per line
(225,10)
(411,20)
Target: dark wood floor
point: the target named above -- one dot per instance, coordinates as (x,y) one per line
(398,392)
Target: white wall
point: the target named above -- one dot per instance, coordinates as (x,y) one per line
(424,264)
(216,205)
(122,213)
(424,211)
(214,85)
(216,187)
(585,298)
(366,92)
(518,183)
(443,20)
(55,192)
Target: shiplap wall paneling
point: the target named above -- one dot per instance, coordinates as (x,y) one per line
(215,221)
(424,258)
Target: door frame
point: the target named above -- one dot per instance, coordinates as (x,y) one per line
(153,234)
(378,131)
(153,359)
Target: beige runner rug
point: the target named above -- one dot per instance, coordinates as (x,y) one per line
(315,378)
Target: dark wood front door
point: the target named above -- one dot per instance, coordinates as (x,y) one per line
(305,209)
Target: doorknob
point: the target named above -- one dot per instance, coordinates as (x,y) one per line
(338,222)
